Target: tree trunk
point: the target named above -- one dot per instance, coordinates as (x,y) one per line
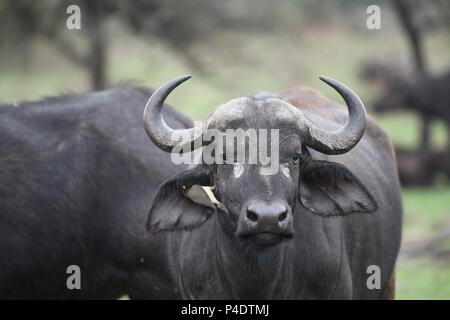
(425,138)
(97,55)
(404,13)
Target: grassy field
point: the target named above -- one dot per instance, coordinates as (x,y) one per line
(269,62)
(426,211)
(422,279)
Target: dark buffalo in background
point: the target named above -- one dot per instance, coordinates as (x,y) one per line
(77,174)
(429,97)
(311,231)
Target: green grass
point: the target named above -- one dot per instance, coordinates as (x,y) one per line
(425,210)
(422,279)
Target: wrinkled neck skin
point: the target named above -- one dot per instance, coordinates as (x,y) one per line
(225,267)
(253,272)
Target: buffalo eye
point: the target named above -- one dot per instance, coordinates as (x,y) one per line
(295,159)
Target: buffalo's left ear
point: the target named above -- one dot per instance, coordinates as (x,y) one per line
(182,202)
(330,189)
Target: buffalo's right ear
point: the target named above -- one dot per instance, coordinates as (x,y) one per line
(181,202)
(330,189)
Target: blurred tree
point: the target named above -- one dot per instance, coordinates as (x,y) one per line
(179,24)
(26,20)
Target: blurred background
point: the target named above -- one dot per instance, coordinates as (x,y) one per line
(236,47)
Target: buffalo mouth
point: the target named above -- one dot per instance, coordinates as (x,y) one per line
(267,239)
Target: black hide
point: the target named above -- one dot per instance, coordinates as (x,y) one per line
(77,175)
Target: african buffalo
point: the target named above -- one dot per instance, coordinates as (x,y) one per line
(429,96)
(77,173)
(78,176)
(316,229)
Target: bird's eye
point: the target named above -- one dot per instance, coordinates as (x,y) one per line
(238,168)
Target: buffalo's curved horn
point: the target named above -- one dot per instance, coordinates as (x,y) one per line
(157,129)
(345,139)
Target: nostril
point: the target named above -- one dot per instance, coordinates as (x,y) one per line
(252,216)
(282,216)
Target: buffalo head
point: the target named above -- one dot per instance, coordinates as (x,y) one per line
(255,207)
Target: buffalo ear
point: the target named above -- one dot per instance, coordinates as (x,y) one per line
(330,189)
(181,202)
